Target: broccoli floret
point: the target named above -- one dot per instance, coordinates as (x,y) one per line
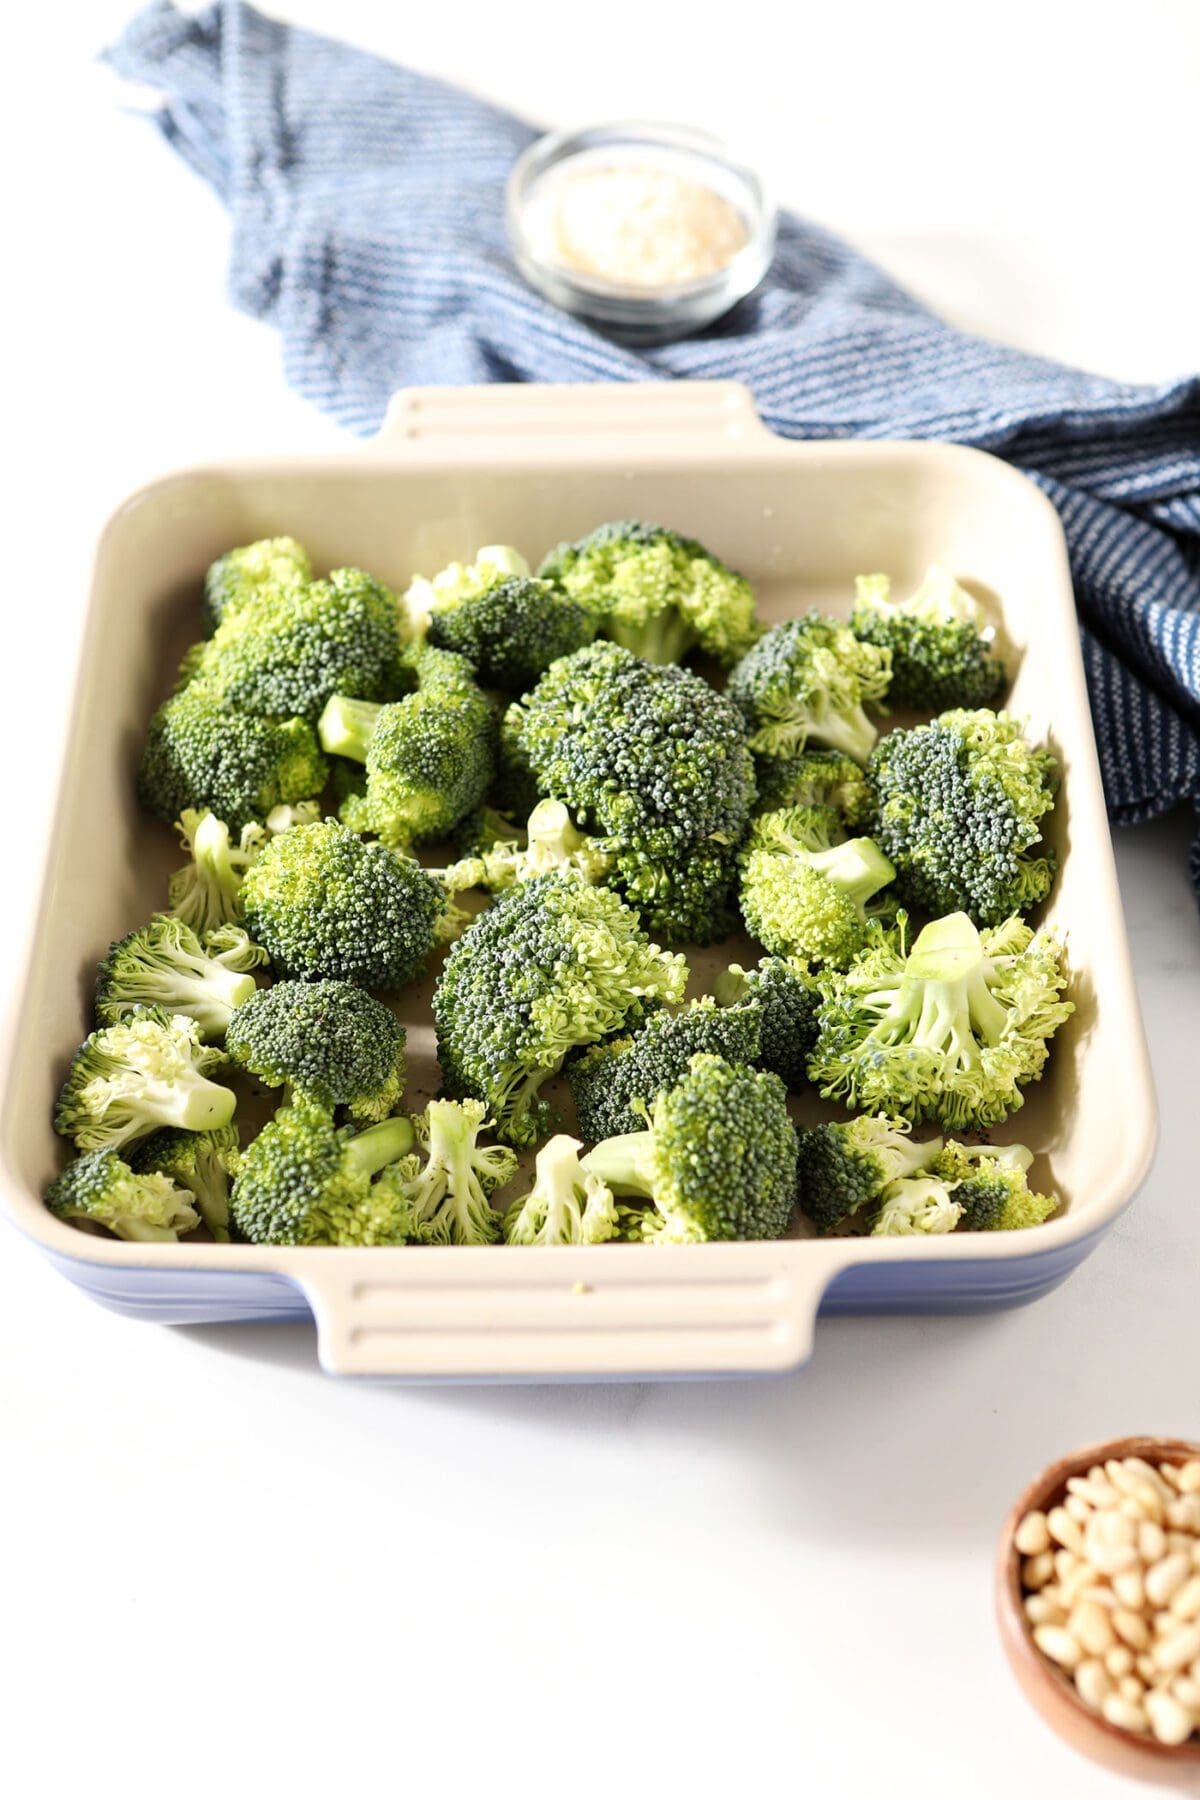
(919,1206)
(815,778)
(99,1189)
(612,1083)
(203,1162)
(204,893)
(989,1183)
(846,1167)
(787,997)
(809,681)
(239,576)
(327,1040)
(323,904)
(718,1160)
(287,650)
(203,754)
(940,654)
(513,632)
(300,812)
(565,1205)
(459,582)
(651,758)
(126,1080)
(549,841)
(485,828)
(959,809)
(554,964)
(429,758)
(804,893)
(686,899)
(449,1197)
(658,594)
(166,965)
(305,1181)
(952,1030)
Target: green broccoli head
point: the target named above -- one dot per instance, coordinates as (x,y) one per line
(690,898)
(202,755)
(327,1040)
(815,778)
(324,904)
(614,1082)
(718,1160)
(989,1183)
(565,1205)
(99,1189)
(289,649)
(959,805)
(239,575)
(652,758)
(656,593)
(305,1181)
(788,998)
(549,842)
(459,582)
(514,631)
(808,681)
(429,758)
(126,1080)
(449,1195)
(202,1162)
(951,1030)
(554,964)
(805,893)
(844,1168)
(941,656)
(165,964)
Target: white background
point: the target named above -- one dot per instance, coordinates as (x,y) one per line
(221,1570)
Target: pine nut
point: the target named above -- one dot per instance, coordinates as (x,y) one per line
(1166,1577)
(1170,1722)
(1189,1478)
(1089,1625)
(1031,1536)
(1092,1683)
(1078,1508)
(1056,1643)
(1146,1669)
(1187,1692)
(1151,1541)
(1174,1652)
(1131,1687)
(1185,1512)
(1064,1529)
(1123,1713)
(1185,1603)
(1119,1661)
(1147,1473)
(1040,1611)
(1065,1563)
(1131,1628)
(1038,1570)
(1095,1492)
(1130,1589)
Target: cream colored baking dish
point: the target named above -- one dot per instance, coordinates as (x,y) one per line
(453,469)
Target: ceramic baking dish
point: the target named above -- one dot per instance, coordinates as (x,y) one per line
(453,469)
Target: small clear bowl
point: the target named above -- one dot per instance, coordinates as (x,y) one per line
(641,315)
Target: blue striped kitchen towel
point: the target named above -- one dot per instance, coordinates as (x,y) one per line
(368,225)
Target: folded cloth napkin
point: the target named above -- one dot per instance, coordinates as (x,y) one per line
(368,225)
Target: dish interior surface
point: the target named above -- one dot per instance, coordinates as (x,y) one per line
(800,521)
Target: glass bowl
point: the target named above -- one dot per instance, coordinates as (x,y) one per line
(636,314)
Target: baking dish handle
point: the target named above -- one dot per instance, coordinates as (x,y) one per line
(437,420)
(544,1314)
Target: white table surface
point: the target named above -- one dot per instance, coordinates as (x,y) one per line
(221,1568)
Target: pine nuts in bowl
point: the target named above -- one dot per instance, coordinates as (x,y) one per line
(1098,1602)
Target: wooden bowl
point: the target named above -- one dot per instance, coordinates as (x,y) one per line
(1049,1688)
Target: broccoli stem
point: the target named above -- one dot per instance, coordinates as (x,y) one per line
(139,1232)
(858,868)
(943,1001)
(731,986)
(346,726)
(191,1102)
(665,637)
(625,1164)
(373,1149)
(848,730)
